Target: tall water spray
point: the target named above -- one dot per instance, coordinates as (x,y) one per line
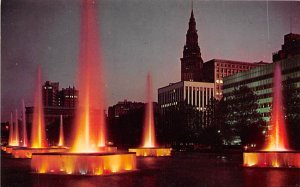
(11,131)
(278,140)
(89,132)
(38,134)
(25,139)
(61,141)
(149,130)
(16,132)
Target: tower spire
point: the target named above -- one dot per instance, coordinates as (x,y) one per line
(191,63)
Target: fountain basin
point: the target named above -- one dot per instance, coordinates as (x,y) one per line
(83,163)
(272,159)
(9,149)
(108,149)
(26,152)
(153,151)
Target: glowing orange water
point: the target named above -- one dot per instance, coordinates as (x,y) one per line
(11,131)
(89,131)
(61,141)
(149,131)
(16,132)
(278,140)
(38,134)
(25,140)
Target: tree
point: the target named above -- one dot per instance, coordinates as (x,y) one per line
(242,117)
(180,124)
(292,112)
(216,111)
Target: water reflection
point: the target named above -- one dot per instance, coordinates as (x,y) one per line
(184,169)
(271,177)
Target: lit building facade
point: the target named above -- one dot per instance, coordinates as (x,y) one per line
(56,102)
(50,93)
(216,69)
(68,97)
(260,80)
(196,94)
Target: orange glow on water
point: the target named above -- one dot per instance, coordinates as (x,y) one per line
(89,132)
(61,141)
(25,139)
(38,134)
(151,151)
(22,152)
(149,130)
(278,140)
(271,159)
(87,164)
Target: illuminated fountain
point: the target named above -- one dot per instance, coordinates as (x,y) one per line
(149,146)
(38,133)
(13,139)
(16,132)
(11,131)
(61,141)
(276,152)
(25,139)
(88,154)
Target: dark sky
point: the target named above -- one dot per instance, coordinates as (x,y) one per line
(136,37)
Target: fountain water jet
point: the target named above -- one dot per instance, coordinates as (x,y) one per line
(61,141)
(12,137)
(149,131)
(278,140)
(16,135)
(149,147)
(25,140)
(38,132)
(88,154)
(11,131)
(89,132)
(276,152)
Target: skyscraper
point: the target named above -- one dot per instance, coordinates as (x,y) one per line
(191,62)
(50,93)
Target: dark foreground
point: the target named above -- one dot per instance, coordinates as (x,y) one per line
(183,169)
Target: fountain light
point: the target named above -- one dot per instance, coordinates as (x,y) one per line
(149,147)
(38,132)
(88,154)
(276,152)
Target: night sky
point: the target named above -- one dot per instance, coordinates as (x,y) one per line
(136,37)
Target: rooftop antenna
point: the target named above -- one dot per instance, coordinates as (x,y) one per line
(291,19)
(192,5)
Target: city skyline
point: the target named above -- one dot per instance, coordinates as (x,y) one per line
(135,38)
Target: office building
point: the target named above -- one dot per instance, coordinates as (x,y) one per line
(260,79)
(216,69)
(123,108)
